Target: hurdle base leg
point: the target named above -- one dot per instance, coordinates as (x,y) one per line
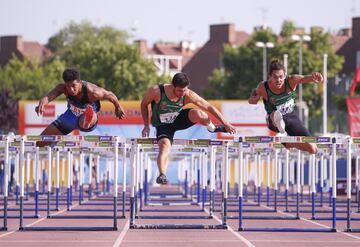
(286,201)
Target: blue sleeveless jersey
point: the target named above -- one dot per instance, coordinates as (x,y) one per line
(69,120)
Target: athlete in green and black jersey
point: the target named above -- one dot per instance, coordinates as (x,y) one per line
(278,94)
(168,116)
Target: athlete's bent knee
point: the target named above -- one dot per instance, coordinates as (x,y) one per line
(87,125)
(313,149)
(196,115)
(164,145)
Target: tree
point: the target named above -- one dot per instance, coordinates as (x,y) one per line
(74,35)
(24,80)
(30,80)
(242,68)
(8,112)
(287,28)
(103,57)
(313,52)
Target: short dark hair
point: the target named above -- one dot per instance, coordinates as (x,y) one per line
(180,80)
(71,74)
(276,64)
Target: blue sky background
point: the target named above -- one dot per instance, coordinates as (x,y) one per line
(155,20)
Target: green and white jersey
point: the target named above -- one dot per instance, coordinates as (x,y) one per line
(283,102)
(166,111)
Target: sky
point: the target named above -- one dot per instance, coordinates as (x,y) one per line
(170,21)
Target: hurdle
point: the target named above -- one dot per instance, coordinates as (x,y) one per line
(81,198)
(5,139)
(288,139)
(350,142)
(313,175)
(212,179)
(148,154)
(82,153)
(348,152)
(357,183)
(267,149)
(206,153)
(19,178)
(68,142)
(136,146)
(180,155)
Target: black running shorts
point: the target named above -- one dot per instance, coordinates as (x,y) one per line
(293,125)
(181,122)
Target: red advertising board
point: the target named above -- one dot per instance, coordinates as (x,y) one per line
(353,106)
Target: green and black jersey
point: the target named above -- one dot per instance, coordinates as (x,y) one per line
(283,102)
(166,111)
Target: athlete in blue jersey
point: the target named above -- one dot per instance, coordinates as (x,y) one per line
(83,104)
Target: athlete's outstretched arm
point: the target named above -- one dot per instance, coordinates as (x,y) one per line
(256,94)
(149,96)
(295,80)
(254,97)
(194,98)
(99,93)
(53,94)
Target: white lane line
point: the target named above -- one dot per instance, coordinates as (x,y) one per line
(350,235)
(52,241)
(238,235)
(45,217)
(187,241)
(247,242)
(303,241)
(35,222)
(8,233)
(5,234)
(346,233)
(122,234)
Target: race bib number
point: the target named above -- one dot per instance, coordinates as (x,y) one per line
(287,107)
(168,117)
(76,110)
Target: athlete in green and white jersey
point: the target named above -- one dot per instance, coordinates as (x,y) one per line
(165,111)
(168,116)
(278,94)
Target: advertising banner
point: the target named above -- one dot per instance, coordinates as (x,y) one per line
(353,106)
(247,119)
